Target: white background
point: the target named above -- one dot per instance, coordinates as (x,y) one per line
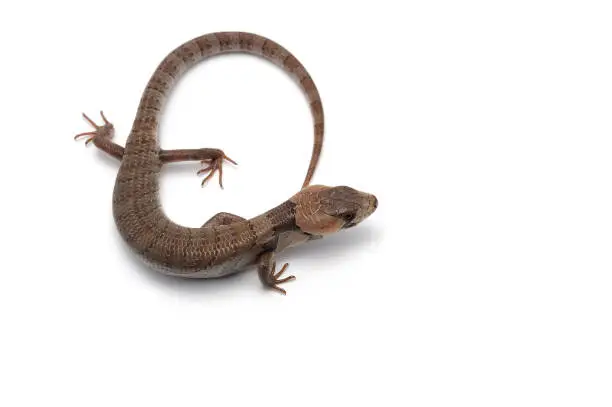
(484,278)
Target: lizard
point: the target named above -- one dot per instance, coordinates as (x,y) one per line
(226,243)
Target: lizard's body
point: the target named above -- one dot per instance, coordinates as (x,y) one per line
(226,243)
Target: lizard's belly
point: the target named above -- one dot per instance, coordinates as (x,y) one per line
(231,266)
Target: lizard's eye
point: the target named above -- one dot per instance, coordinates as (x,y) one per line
(348,220)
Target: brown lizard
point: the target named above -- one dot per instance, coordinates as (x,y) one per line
(226,243)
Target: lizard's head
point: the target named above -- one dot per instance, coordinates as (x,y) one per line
(322,210)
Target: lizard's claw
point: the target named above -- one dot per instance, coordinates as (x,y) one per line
(273,279)
(214,165)
(105,130)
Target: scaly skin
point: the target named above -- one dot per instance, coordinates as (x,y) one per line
(226,243)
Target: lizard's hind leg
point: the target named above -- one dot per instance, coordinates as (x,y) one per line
(212,157)
(102,136)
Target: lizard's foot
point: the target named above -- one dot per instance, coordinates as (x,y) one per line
(106,130)
(272,279)
(214,165)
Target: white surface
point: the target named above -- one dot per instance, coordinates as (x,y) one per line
(483,279)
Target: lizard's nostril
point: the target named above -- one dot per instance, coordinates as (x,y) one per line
(375,203)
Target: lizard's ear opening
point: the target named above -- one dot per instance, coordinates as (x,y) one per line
(317,223)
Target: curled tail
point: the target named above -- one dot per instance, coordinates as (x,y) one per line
(208,45)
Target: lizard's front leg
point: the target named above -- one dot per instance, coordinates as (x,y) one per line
(265,263)
(267,272)
(223,218)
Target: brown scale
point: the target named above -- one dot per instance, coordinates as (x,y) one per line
(226,243)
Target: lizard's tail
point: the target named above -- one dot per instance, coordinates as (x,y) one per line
(193,51)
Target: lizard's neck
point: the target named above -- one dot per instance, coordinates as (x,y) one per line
(275,221)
